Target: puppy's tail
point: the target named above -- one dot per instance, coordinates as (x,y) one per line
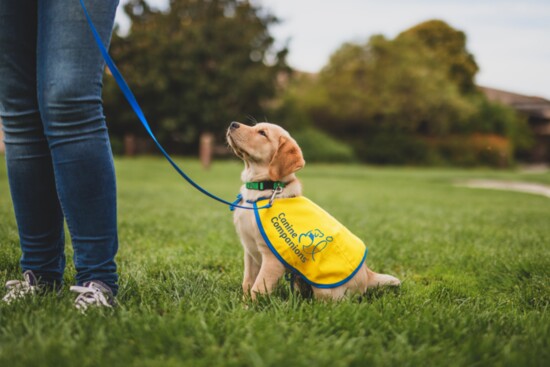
(377,280)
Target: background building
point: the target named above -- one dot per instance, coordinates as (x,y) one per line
(537,112)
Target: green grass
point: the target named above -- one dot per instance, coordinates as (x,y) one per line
(475,266)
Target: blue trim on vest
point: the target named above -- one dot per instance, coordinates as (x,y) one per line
(272,248)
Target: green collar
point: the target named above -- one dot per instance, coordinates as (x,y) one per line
(265,185)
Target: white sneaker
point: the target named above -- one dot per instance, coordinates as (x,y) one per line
(93,294)
(18,289)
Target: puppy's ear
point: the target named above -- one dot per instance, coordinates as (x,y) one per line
(287,159)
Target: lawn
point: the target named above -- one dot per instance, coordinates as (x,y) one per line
(475,266)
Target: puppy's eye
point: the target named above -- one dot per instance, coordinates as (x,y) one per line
(262,132)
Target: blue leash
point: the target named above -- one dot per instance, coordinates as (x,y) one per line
(137,109)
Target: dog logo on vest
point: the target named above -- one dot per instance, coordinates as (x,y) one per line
(317,242)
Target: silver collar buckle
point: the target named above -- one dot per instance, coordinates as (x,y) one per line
(276,192)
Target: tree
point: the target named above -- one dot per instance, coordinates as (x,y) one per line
(194,68)
(411,99)
(448,45)
(386,85)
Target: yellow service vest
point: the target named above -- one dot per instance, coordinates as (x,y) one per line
(309,241)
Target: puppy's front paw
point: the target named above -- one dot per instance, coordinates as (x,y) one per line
(385,279)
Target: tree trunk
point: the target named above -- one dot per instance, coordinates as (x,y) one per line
(206,149)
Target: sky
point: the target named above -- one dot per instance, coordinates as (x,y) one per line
(510,40)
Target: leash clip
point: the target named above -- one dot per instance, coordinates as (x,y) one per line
(276,192)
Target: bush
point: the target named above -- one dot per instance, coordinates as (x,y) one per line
(320,147)
(474,150)
(465,150)
(393,148)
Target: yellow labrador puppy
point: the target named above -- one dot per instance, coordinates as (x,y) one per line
(271,157)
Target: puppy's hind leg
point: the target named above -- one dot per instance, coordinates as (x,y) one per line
(376,280)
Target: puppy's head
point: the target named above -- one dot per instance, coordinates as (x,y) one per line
(266,148)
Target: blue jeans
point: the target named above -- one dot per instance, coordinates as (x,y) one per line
(58,155)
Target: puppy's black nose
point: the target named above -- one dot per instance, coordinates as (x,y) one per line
(234,125)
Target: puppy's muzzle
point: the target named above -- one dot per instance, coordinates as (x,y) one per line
(231,139)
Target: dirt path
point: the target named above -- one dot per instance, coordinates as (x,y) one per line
(531,188)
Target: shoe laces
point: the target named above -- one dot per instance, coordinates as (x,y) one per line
(18,289)
(91,294)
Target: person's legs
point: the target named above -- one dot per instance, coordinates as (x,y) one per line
(70,71)
(30,171)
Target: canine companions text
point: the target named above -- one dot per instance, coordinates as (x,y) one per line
(286,231)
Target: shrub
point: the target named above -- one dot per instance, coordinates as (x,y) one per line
(462,150)
(393,148)
(320,147)
(473,150)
